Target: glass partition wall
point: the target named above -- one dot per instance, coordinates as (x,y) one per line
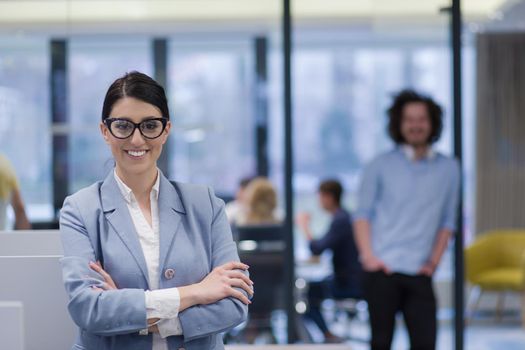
(347,67)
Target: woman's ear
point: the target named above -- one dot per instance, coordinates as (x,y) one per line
(104,131)
(166,132)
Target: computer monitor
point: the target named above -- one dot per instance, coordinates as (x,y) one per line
(30,243)
(36,282)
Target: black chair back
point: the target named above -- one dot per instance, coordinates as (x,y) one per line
(263,249)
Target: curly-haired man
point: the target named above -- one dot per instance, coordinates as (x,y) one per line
(406,214)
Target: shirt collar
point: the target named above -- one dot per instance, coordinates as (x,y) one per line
(128,194)
(410,153)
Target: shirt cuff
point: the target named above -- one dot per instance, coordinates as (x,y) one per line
(169,327)
(162,303)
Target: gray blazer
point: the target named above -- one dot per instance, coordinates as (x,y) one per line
(195,237)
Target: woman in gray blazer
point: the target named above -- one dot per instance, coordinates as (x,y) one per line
(148,264)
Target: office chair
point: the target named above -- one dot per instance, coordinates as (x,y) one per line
(263,249)
(495,262)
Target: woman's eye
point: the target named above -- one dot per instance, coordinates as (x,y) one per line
(122,125)
(151,125)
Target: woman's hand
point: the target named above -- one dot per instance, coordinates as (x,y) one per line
(152,325)
(217,285)
(220,283)
(109,284)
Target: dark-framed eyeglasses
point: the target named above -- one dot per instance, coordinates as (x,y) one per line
(122,128)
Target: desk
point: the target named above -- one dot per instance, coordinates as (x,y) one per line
(36,283)
(30,243)
(314,269)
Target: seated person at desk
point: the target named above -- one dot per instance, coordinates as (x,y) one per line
(10,193)
(260,199)
(346,280)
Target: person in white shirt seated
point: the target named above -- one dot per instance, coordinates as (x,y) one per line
(148,264)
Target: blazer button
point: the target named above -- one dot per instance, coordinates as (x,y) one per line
(169,273)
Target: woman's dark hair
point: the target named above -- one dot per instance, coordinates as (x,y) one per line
(137,85)
(332,188)
(395,115)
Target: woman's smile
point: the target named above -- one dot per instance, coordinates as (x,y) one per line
(136,154)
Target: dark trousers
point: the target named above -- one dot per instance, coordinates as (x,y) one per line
(413,296)
(327,288)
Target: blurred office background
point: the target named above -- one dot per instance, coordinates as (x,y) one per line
(221,62)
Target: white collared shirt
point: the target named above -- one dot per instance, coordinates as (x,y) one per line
(410,152)
(160,303)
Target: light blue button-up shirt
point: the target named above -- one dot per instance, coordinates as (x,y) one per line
(407,202)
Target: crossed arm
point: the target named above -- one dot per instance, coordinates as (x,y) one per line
(217,285)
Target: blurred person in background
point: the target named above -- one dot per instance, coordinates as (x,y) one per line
(10,194)
(236,209)
(346,280)
(261,203)
(260,199)
(406,214)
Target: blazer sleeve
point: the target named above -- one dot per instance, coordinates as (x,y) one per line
(203,320)
(104,313)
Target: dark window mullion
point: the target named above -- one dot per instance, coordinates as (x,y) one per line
(59,116)
(160,67)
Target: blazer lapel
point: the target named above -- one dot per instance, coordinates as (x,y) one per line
(171,211)
(117,213)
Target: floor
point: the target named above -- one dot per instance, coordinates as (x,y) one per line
(478,337)
(483,333)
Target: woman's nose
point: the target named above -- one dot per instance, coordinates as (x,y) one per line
(137,138)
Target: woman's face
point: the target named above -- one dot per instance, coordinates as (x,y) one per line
(136,154)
